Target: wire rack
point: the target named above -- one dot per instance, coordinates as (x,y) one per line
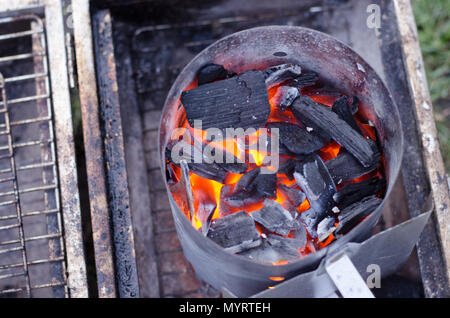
(32,255)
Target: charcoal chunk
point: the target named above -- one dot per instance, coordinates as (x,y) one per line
(235,233)
(266,185)
(238,102)
(205,170)
(310,220)
(285,96)
(305,79)
(295,196)
(183,193)
(325,228)
(205,212)
(288,168)
(342,109)
(297,139)
(354,192)
(319,117)
(345,167)
(314,179)
(281,73)
(246,182)
(354,213)
(275,218)
(210,73)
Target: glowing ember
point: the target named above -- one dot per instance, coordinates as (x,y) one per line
(209,192)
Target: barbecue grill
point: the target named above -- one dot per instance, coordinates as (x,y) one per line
(127,55)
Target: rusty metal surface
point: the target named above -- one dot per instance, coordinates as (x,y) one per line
(432,158)
(95,159)
(47,125)
(119,201)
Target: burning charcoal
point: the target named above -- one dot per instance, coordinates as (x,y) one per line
(355,105)
(342,109)
(314,179)
(237,168)
(170,175)
(245,183)
(243,199)
(235,233)
(299,235)
(204,214)
(305,79)
(233,166)
(319,117)
(182,191)
(325,228)
(238,102)
(285,96)
(205,170)
(345,167)
(274,249)
(297,139)
(310,220)
(354,213)
(275,218)
(266,185)
(281,73)
(295,197)
(210,73)
(354,192)
(288,168)
(225,208)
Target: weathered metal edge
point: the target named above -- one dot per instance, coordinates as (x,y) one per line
(95,160)
(433,162)
(67,170)
(117,179)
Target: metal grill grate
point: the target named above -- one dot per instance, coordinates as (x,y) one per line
(32,256)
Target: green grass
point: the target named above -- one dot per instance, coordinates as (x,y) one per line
(433,23)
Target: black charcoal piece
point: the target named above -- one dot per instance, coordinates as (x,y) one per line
(355,105)
(288,168)
(314,179)
(266,185)
(205,212)
(238,102)
(205,170)
(295,196)
(244,199)
(245,183)
(345,167)
(275,218)
(297,139)
(351,215)
(210,73)
(354,192)
(285,96)
(225,208)
(305,79)
(235,233)
(325,228)
(310,220)
(237,168)
(281,73)
(342,109)
(319,117)
(223,159)
(182,191)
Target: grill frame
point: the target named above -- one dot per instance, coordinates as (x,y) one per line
(52,94)
(399,81)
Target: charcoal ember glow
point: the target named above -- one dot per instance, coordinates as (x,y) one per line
(321,118)
(285,96)
(297,139)
(275,218)
(236,232)
(238,102)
